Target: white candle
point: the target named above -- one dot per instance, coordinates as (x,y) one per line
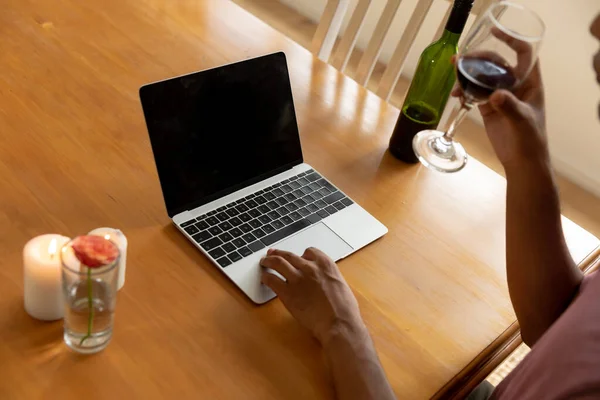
(42,280)
(118,238)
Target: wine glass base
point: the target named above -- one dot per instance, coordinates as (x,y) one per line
(437,153)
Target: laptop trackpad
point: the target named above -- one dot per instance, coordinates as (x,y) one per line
(319,236)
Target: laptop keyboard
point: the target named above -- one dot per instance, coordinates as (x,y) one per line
(248,225)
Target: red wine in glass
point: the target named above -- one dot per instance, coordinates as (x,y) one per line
(480,75)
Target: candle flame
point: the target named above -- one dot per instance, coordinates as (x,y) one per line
(107,236)
(52,248)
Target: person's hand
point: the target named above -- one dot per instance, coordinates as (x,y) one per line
(516,122)
(314,292)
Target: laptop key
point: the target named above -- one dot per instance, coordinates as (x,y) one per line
(240,201)
(245,217)
(306,190)
(215,230)
(251,204)
(304,212)
(249,197)
(313,177)
(277,224)
(211,213)
(290,197)
(244,251)
(292,207)
(316,195)
(324,191)
(272,205)
(312,208)
(258,233)
(332,198)
(212,221)
(188,223)
(283,211)
(249,238)
(286,188)
(256,246)
(293,178)
(223,262)
(228,247)
(314,218)
(202,225)
(276,185)
(282,201)
(216,253)
(314,186)
(298,193)
(283,182)
(302,174)
(226,237)
(295,216)
(225,226)
(230,205)
(232,212)
(264,219)
(323,213)
(242,208)
(235,256)
(236,232)
(245,228)
(211,244)
(259,192)
(254,213)
(263,209)
(285,232)
(339,205)
(347,202)
(273,214)
(268,229)
(300,203)
(202,236)
(255,223)
(269,196)
(221,209)
(238,243)
(320,204)
(260,200)
(235,221)
(191,229)
(303,181)
(294,185)
(286,220)
(308,199)
(331,209)
(278,192)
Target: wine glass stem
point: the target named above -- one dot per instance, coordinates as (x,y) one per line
(462,113)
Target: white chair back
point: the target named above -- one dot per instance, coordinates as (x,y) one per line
(331,23)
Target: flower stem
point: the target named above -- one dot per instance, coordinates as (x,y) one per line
(90,307)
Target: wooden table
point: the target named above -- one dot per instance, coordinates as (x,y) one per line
(75,155)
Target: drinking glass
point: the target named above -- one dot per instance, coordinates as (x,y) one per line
(499,53)
(90,299)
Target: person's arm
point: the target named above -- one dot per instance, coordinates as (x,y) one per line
(542,276)
(317,295)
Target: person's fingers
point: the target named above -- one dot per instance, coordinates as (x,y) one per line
(453,59)
(523,49)
(457,91)
(280,265)
(505,103)
(295,260)
(273,282)
(314,254)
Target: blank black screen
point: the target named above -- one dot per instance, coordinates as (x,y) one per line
(215,131)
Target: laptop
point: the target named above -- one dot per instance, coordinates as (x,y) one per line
(228,154)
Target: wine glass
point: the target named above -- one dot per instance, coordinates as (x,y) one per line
(499,53)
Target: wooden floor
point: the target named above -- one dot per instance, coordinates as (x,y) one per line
(578,204)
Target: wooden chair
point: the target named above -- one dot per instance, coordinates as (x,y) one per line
(329,28)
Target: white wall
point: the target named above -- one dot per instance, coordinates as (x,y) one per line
(572,93)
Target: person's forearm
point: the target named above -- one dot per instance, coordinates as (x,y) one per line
(542,277)
(356,369)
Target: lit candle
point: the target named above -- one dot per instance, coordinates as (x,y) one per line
(118,238)
(42,280)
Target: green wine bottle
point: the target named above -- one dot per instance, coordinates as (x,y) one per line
(431,85)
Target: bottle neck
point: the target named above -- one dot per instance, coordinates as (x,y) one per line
(449,37)
(458,17)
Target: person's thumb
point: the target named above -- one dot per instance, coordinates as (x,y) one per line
(507,104)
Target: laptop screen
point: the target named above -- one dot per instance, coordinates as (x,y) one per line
(214,132)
